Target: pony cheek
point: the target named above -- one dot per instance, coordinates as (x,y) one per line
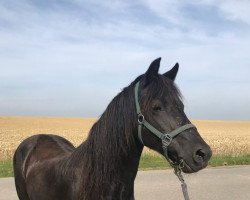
(173,153)
(151,141)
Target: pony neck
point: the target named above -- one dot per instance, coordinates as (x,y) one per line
(111,176)
(109,158)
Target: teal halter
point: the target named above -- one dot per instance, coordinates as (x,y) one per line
(166,138)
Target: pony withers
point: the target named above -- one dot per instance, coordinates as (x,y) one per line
(104,166)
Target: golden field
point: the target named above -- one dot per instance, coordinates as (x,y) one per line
(224,137)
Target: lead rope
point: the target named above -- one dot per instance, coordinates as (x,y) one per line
(177,171)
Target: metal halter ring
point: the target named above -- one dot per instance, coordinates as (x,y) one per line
(140,118)
(166,140)
(181,164)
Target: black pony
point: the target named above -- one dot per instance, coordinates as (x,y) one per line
(48,167)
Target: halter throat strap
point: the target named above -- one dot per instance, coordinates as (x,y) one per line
(166,138)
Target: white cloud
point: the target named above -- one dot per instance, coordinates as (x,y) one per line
(236,10)
(169,10)
(230,9)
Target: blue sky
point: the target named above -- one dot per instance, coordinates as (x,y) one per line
(71,57)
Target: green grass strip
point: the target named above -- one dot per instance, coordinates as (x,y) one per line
(6,168)
(224,160)
(149,162)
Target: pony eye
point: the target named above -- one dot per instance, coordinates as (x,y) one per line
(157,108)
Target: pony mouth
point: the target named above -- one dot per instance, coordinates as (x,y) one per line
(188,169)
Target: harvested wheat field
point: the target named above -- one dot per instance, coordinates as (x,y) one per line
(225,137)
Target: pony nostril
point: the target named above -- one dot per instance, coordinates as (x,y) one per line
(200,155)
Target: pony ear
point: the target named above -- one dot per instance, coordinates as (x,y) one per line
(171,74)
(152,71)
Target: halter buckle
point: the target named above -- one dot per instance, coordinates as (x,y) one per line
(166,140)
(140,118)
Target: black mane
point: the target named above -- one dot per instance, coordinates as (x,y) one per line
(108,141)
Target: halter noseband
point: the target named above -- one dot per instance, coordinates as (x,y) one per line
(166,138)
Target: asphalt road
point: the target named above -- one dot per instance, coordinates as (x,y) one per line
(224,183)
